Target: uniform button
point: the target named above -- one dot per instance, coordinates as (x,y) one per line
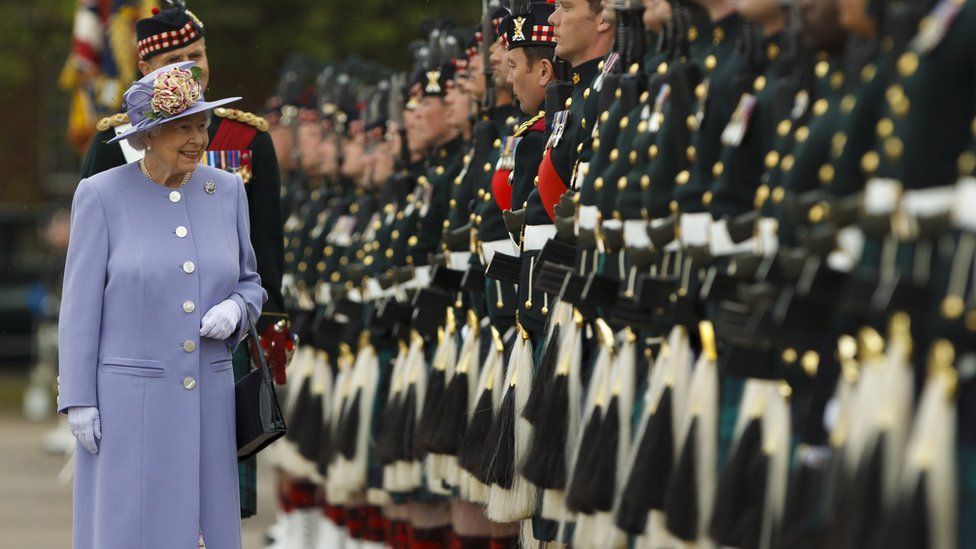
(189,267)
(188,307)
(175,196)
(189,383)
(189,346)
(181,232)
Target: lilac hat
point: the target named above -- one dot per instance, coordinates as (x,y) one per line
(165,94)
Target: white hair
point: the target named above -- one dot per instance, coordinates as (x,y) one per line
(138,139)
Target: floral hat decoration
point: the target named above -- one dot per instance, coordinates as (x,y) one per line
(164,95)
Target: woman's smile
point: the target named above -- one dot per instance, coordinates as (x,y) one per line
(191,155)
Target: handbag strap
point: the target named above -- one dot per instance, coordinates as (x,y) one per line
(256,340)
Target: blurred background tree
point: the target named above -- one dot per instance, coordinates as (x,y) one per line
(248,42)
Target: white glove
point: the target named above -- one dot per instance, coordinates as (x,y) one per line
(86,426)
(221,320)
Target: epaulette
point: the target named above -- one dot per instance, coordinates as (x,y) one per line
(531,124)
(241,116)
(113,121)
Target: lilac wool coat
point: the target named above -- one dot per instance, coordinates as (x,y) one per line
(144,265)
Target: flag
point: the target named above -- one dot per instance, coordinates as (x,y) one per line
(102,62)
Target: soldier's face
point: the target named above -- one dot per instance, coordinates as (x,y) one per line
(309,135)
(196,52)
(353,157)
(758,11)
(656,14)
(328,153)
(458,105)
(576,26)
(821,24)
(499,68)
(180,143)
(474,85)
(528,80)
(854,17)
(284,142)
(415,137)
(434,128)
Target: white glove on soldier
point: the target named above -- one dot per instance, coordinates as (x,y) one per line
(86,426)
(221,320)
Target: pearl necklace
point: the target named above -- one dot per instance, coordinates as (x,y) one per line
(145,172)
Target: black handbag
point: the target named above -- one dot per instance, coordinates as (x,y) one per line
(259,418)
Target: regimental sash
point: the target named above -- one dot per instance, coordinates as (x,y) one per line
(229,151)
(501,186)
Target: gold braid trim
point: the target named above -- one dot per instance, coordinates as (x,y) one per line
(241,116)
(524,127)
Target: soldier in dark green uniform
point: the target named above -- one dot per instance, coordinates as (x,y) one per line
(669,156)
(583,38)
(433,195)
(748,137)
(806,137)
(491,234)
(239,143)
(531,44)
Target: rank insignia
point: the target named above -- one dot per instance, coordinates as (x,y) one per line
(210,186)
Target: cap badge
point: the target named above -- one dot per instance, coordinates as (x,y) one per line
(433,82)
(519,34)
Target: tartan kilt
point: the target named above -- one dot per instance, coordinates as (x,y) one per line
(247,471)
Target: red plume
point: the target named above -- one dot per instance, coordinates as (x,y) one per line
(155,10)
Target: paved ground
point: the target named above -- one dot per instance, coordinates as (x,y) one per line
(35,508)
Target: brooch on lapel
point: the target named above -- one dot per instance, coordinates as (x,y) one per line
(210,186)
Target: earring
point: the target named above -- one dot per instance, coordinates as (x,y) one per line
(148,147)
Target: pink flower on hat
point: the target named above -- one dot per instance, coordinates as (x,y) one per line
(174,91)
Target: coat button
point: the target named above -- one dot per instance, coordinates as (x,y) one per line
(189,346)
(181,232)
(175,196)
(188,307)
(189,383)
(189,267)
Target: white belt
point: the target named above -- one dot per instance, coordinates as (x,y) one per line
(635,234)
(964,204)
(288,283)
(536,236)
(695,229)
(581,170)
(421,277)
(721,243)
(586,217)
(373,288)
(323,294)
(459,260)
(850,243)
(767,229)
(928,202)
(505,246)
(881,196)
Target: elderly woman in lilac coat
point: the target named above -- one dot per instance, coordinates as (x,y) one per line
(159,283)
